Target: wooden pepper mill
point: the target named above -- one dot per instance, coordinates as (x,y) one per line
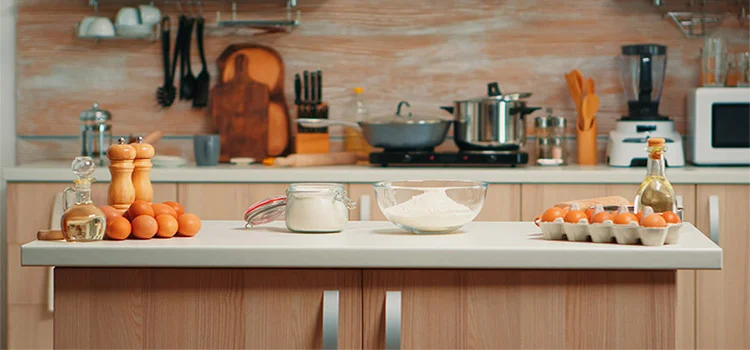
(141,174)
(121,192)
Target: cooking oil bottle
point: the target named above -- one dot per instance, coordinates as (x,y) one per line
(354,140)
(82,222)
(656,191)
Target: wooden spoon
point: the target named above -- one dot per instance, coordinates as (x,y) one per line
(590,89)
(579,79)
(588,109)
(576,94)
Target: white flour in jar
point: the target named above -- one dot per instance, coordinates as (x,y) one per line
(315,212)
(432,210)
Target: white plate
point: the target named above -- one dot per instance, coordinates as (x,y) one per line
(168,161)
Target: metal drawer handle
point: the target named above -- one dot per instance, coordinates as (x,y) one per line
(331,319)
(393,320)
(713,218)
(364,208)
(679,201)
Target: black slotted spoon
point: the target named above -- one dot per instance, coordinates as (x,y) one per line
(166,94)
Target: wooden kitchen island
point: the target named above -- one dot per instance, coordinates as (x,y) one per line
(492,285)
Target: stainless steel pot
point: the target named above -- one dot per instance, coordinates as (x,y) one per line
(493,122)
(394,132)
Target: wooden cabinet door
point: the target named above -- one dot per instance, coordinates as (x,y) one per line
(501,204)
(515,309)
(207,308)
(723,297)
(29,210)
(536,198)
(225,201)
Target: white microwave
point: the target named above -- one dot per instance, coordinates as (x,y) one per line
(719,126)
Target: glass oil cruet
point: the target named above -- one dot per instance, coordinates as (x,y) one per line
(656,191)
(83,221)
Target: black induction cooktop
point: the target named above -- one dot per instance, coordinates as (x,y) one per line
(460,158)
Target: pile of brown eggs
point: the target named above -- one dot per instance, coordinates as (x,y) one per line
(601,226)
(144,220)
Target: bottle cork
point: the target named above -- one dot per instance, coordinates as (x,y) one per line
(656,147)
(121,192)
(144,152)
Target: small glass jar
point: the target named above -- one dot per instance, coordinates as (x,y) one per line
(551,145)
(308,208)
(96,133)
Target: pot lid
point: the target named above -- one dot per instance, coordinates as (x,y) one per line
(265,211)
(402,117)
(95,114)
(494,94)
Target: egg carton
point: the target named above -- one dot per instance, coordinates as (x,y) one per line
(608,232)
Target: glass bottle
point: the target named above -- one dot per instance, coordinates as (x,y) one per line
(83,221)
(354,140)
(656,191)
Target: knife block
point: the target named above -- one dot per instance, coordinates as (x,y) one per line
(312,140)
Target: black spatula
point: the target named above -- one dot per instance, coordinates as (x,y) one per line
(203,80)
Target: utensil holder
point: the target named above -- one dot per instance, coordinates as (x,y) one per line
(587,145)
(312,140)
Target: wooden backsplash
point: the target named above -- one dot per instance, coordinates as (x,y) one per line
(427,52)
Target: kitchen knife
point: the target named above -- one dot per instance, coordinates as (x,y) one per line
(306,76)
(319,88)
(297,89)
(313,105)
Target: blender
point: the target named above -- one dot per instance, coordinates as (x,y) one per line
(642,71)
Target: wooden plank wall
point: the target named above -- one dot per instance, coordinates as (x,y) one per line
(426,52)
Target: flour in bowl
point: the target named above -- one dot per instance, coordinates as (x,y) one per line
(432,210)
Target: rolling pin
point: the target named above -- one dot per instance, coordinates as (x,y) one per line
(303,160)
(604,201)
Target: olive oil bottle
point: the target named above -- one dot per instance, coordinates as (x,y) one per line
(656,191)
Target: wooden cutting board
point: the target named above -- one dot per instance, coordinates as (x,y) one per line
(239,109)
(263,65)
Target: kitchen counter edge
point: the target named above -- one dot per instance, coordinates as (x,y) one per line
(60,172)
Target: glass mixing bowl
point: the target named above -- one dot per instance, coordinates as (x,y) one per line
(430,206)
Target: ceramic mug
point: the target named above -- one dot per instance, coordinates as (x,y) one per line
(207,149)
(83,26)
(128,16)
(101,27)
(150,15)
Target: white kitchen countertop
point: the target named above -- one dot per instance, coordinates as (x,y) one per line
(491,245)
(60,172)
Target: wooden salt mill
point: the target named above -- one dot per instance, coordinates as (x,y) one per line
(121,192)
(141,174)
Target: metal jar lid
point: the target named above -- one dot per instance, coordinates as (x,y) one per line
(541,122)
(95,114)
(558,122)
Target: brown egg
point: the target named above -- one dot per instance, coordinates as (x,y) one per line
(671,217)
(167,226)
(601,217)
(625,218)
(189,224)
(110,212)
(589,213)
(639,216)
(139,208)
(654,220)
(552,214)
(161,208)
(118,228)
(574,216)
(176,206)
(144,227)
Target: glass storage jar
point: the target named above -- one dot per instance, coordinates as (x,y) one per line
(307,207)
